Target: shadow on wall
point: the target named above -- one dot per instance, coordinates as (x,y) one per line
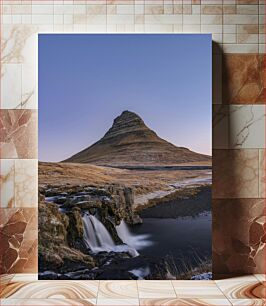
(238,231)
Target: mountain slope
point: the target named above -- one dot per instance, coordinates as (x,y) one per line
(129,142)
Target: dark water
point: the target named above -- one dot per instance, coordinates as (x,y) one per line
(182,238)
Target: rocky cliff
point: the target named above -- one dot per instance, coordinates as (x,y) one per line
(61,243)
(130,142)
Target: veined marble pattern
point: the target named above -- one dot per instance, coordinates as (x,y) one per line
(247,126)
(15,46)
(118,289)
(19,51)
(261,277)
(7,183)
(19,183)
(118,302)
(239,244)
(26,183)
(197,289)
(51,290)
(18,235)
(184,302)
(243,79)
(49,302)
(242,289)
(24,277)
(157,289)
(238,126)
(236,173)
(10,85)
(18,130)
(248,302)
(4,280)
(233,291)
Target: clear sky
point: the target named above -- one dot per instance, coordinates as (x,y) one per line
(86,80)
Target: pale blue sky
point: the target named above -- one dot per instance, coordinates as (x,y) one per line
(85,81)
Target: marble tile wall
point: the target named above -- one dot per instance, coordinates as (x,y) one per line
(238,31)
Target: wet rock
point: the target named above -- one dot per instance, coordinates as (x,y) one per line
(61,246)
(55,251)
(75,227)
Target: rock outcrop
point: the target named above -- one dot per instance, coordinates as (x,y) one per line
(56,252)
(61,244)
(130,142)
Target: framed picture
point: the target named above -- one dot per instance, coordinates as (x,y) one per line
(125,166)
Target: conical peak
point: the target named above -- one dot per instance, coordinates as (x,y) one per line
(127,117)
(130,142)
(126,122)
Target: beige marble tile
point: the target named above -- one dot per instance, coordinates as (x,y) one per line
(16,43)
(120,19)
(237,232)
(10,85)
(20,45)
(184,302)
(191,19)
(19,234)
(4,280)
(153,9)
(246,126)
(94,9)
(248,29)
(163,19)
(260,277)
(118,290)
(262,170)
(242,288)
(211,19)
(248,9)
(25,277)
(246,38)
(240,48)
(209,28)
(211,9)
(155,289)
(240,19)
(191,28)
(235,173)
(159,28)
(18,129)
(43,9)
(197,289)
(7,183)
(229,38)
(48,302)
(229,9)
(51,290)
(26,183)
(229,28)
(117,302)
(248,302)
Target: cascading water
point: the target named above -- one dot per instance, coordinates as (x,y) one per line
(98,239)
(96,236)
(138,242)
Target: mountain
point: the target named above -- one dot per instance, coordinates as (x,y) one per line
(129,142)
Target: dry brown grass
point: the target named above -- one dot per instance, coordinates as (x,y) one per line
(87,174)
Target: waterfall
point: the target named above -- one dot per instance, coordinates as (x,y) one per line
(96,236)
(137,242)
(98,239)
